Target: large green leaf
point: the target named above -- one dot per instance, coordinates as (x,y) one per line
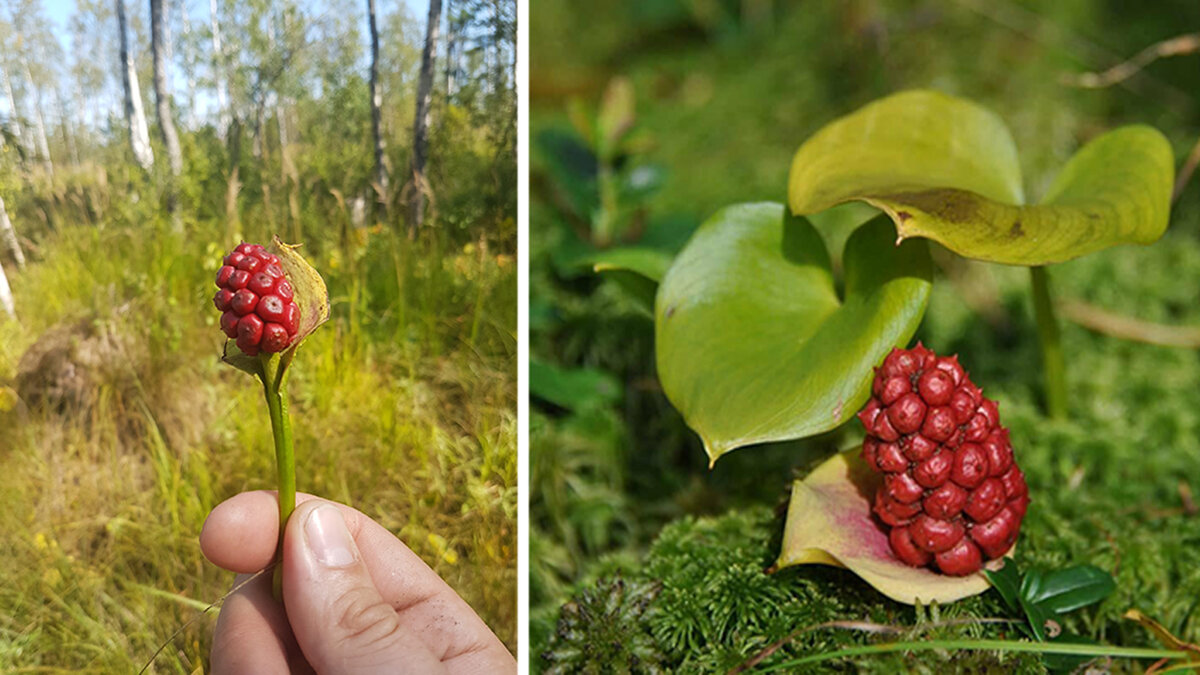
(946,169)
(753,343)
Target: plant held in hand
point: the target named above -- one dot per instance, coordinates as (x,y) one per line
(952,493)
(270,300)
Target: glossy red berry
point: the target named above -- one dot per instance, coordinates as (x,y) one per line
(257,301)
(952,496)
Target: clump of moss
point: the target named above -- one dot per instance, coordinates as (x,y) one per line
(605,630)
(713,607)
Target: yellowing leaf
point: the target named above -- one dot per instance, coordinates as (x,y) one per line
(946,169)
(1165,636)
(829,522)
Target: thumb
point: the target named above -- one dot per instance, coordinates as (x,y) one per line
(341,621)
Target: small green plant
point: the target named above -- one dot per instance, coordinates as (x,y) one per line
(271,300)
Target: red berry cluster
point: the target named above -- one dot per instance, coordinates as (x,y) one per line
(952,494)
(257,300)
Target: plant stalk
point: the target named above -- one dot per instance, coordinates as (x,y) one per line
(984,645)
(274,380)
(1053,364)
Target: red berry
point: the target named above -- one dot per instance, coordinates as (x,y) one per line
(222,299)
(261,283)
(952,496)
(961,560)
(238,280)
(889,458)
(274,339)
(893,388)
(917,447)
(936,387)
(933,535)
(250,330)
(273,269)
(291,318)
(939,424)
(934,471)
(905,549)
(997,535)
(906,413)
(946,501)
(986,500)
(223,275)
(244,301)
(229,322)
(249,263)
(271,308)
(902,487)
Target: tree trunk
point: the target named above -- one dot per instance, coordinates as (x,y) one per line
(39,121)
(381,179)
(15,121)
(10,236)
(6,299)
(65,122)
(160,48)
(135,116)
(219,73)
(451,44)
(420,186)
(189,68)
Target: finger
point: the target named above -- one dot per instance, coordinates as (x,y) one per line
(253,635)
(241,533)
(341,621)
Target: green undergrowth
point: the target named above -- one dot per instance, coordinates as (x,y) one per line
(403,407)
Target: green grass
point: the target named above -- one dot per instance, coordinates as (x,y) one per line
(403,406)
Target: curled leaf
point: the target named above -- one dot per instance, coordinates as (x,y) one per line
(829,522)
(1165,636)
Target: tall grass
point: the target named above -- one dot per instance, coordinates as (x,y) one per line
(403,405)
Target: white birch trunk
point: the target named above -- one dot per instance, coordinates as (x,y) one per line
(219,73)
(416,213)
(39,121)
(6,299)
(15,121)
(9,235)
(135,115)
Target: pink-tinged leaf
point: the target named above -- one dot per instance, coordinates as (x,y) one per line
(829,522)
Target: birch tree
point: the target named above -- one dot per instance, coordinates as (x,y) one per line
(162,97)
(376,104)
(218,59)
(420,185)
(135,116)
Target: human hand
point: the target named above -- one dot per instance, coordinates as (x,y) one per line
(355,598)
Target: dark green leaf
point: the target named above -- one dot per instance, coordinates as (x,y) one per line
(1007,582)
(1066,663)
(1069,589)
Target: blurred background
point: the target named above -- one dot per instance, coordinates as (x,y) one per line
(140,141)
(647,116)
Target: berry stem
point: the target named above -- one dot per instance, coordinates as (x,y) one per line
(1053,364)
(274,379)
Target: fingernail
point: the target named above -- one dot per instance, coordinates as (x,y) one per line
(328,538)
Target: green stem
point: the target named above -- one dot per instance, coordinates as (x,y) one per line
(274,378)
(984,645)
(1053,364)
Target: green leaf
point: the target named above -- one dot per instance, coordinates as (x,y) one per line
(753,343)
(636,269)
(574,389)
(1041,619)
(1007,582)
(946,169)
(1069,589)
